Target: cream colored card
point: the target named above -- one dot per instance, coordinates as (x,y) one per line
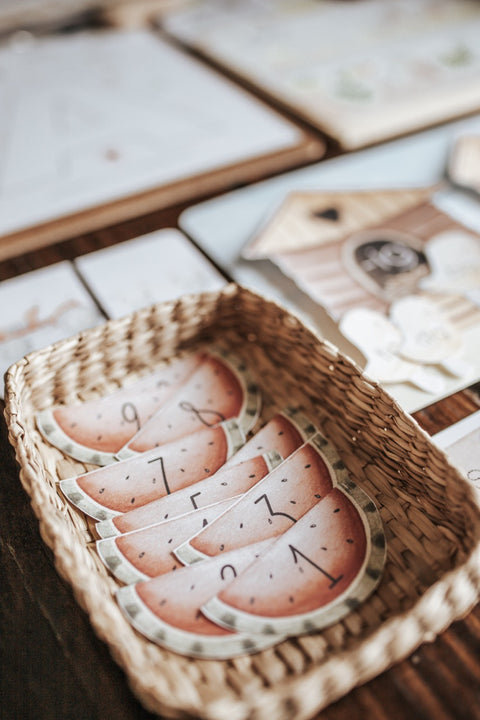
(97,117)
(361,71)
(41,307)
(461,442)
(464,162)
(149,269)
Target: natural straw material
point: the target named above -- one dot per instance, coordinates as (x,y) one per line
(431,517)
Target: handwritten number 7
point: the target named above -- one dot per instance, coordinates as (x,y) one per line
(164,476)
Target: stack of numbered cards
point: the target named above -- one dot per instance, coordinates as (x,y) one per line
(253,525)
(227,540)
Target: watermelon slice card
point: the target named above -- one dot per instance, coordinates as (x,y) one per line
(317,572)
(117,488)
(167,608)
(226,483)
(220,389)
(146,553)
(285,432)
(94,431)
(273,505)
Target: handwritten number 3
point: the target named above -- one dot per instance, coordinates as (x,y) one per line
(270,509)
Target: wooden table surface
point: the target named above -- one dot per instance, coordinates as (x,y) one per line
(53,665)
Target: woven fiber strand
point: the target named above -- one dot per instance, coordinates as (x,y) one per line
(430,515)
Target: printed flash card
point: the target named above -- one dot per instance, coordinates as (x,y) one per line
(360,71)
(43,306)
(287,431)
(272,505)
(147,553)
(318,571)
(167,608)
(150,269)
(461,442)
(464,162)
(95,130)
(225,483)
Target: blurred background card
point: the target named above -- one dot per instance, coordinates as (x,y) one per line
(156,267)
(43,306)
(92,131)
(464,162)
(360,71)
(461,442)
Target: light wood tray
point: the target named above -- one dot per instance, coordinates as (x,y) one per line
(431,517)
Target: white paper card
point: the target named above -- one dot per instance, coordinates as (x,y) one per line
(461,442)
(41,307)
(94,117)
(156,267)
(361,71)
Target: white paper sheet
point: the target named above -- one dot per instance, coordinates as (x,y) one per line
(94,117)
(159,266)
(461,442)
(41,307)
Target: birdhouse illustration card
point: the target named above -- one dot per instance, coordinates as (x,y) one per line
(43,306)
(398,274)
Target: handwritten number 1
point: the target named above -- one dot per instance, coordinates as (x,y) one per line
(296,553)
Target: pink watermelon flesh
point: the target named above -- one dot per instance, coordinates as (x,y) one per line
(108,423)
(271,507)
(177,597)
(135,482)
(308,567)
(213,393)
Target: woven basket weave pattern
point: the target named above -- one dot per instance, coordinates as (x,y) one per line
(431,518)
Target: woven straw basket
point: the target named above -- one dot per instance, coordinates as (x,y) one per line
(431,518)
